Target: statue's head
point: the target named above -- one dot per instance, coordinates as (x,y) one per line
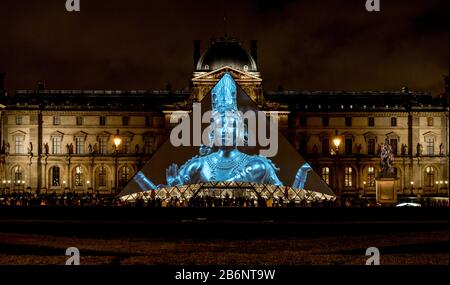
(227,125)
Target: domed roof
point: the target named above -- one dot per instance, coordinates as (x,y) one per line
(226,52)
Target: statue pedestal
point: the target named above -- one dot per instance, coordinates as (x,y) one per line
(385,189)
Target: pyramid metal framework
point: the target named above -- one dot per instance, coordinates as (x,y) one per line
(287,159)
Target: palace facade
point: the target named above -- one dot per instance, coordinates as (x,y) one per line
(63,140)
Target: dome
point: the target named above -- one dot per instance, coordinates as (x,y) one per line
(226,52)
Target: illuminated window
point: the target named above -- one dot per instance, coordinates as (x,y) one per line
(429,176)
(79,145)
(348,177)
(101,176)
(103,145)
(56,120)
(55,175)
(56,145)
(326,174)
(79,177)
(19,144)
(18,178)
(430,121)
(371,176)
(124,175)
(148,145)
(18,120)
(126,145)
(430,146)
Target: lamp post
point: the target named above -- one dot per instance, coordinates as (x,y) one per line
(336,141)
(117,142)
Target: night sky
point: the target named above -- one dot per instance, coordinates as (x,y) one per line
(302,45)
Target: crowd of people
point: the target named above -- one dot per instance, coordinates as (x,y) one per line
(71,199)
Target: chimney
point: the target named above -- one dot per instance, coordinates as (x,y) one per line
(2,81)
(196,53)
(254,50)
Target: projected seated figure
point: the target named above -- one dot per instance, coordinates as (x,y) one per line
(227,164)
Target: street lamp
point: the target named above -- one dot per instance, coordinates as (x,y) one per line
(336,141)
(117,142)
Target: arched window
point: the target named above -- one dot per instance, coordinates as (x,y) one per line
(348,177)
(429,176)
(55,176)
(101,176)
(79,177)
(371,176)
(326,174)
(18,178)
(124,175)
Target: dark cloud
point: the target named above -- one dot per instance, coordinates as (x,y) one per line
(316,45)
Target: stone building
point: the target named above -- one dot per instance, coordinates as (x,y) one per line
(56,140)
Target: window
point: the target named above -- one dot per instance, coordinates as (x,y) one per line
(19,143)
(303,145)
(394,146)
(18,120)
(102,120)
(326,174)
(18,176)
(101,176)
(325,121)
(348,121)
(79,177)
(148,145)
(56,145)
(79,121)
(56,120)
(124,175)
(371,176)
(302,121)
(393,122)
(430,146)
(79,145)
(103,145)
(126,145)
(325,146)
(371,146)
(429,176)
(430,121)
(348,177)
(348,146)
(125,121)
(148,121)
(371,122)
(55,176)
